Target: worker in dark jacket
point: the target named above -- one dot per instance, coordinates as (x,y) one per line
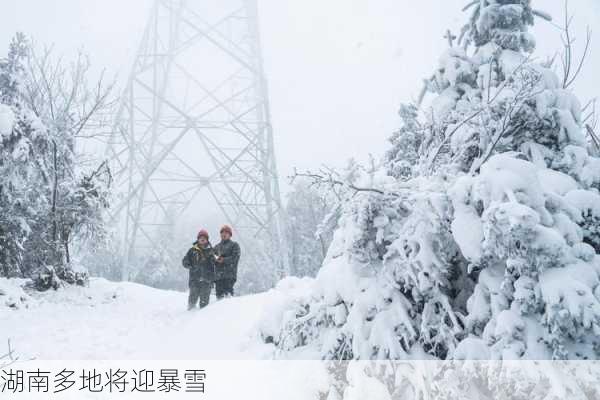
(228,256)
(200,261)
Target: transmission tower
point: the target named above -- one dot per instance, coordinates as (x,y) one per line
(194,125)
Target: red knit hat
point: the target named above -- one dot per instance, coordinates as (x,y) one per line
(226,228)
(202,233)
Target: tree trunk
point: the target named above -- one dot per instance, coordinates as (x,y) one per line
(55,195)
(66,246)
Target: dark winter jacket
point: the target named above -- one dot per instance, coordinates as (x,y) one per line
(230,251)
(201,263)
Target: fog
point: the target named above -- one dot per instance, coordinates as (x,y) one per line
(337,69)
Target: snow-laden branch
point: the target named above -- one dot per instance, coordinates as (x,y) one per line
(490,101)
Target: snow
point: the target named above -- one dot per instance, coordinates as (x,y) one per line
(511,61)
(586,202)
(568,290)
(362,386)
(590,173)
(110,320)
(504,176)
(12,294)
(289,294)
(467,228)
(21,150)
(7,120)
(91,327)
(443,104)
(557,182)
(564,105)
(456,66)
(472,348)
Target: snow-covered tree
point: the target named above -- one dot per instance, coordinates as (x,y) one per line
(47,196)
(309,234)
(478,238)
(24,173)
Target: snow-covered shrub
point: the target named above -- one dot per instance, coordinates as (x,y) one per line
(482,241)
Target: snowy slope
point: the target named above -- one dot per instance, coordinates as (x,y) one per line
(111,320)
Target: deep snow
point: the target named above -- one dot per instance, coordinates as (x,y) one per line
(109,320)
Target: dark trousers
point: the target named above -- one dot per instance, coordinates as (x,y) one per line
(199,291)
(224,287)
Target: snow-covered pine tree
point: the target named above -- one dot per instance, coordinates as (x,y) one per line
(24,173)
(487,246)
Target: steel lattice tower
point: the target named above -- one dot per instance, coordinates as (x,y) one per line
(194,119)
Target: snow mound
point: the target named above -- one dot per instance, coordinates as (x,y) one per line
(12,294)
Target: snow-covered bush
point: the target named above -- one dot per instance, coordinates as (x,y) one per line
(482,240)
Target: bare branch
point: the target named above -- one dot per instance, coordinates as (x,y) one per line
(588,42)
(73,107)
(330,179)
(571,68)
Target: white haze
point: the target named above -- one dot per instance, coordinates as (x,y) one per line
(337,69)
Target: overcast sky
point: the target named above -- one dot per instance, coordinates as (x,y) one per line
(337,69)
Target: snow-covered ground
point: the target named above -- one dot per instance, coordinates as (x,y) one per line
(109,320)
(137,326)
(126,321)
